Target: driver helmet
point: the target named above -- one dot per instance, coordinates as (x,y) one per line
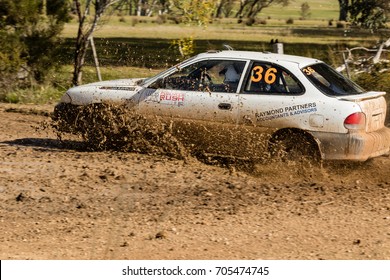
(231,75)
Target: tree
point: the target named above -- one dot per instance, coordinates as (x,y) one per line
(198,12)
(89,12)
(30,32)
(305,10)
(371,14)
(130,6)
(143,7)
(223,7)
(251,8)
(343,14)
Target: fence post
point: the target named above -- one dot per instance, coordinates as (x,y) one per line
(95,57)
(278,48)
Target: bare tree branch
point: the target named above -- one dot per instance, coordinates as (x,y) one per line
(85,31)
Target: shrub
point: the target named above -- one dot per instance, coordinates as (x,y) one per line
(250,21)
(29,41)
(305,10)
(185,46)
(378,81)
(341,24)
(161,19)
(290,21)
(176,19)
(134,21)
(11,62)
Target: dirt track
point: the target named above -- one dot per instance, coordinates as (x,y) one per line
(60,202)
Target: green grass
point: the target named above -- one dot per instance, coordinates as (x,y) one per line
(271,24)
(60,81)
(320,10)
(315,32)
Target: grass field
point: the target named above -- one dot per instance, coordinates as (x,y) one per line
(319,9)
(130,46)
(271,24)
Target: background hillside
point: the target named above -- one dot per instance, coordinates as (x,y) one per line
(320,10)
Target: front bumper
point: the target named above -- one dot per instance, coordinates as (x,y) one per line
(357,146)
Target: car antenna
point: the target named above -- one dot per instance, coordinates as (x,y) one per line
(228,47)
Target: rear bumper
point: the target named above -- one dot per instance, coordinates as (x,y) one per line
(358,146)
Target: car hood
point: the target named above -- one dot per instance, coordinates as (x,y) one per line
(114,90)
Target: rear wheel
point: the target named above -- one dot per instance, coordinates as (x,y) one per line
(294,145)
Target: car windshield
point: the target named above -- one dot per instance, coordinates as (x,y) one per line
(177,66)
(329,81)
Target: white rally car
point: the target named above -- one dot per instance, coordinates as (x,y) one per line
(301,104)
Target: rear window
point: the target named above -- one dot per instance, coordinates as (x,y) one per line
(329,81)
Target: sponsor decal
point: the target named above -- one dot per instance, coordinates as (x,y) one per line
(165,97)
(172,98)
(287,111)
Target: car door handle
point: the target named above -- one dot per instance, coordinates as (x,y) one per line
(224,106)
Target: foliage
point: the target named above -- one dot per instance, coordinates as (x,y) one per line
(89,13)
(10,60)
(35,95)
(376,80)
(185,46)
(29,40)
(305,10)
(371,14)
(379,81)
(197,12)
(32,29)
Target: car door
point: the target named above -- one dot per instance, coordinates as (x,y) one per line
(202,98)
(269,93)
(198,91)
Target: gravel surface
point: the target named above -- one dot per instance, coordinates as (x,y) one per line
(61,201)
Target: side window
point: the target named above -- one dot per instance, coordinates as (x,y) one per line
(329,81)
(270,78)
(208,75)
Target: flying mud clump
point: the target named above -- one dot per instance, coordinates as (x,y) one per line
(116,127)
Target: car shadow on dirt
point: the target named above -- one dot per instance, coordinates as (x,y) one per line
(264,167)
(48,144)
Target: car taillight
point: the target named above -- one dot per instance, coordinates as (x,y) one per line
(355,121)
